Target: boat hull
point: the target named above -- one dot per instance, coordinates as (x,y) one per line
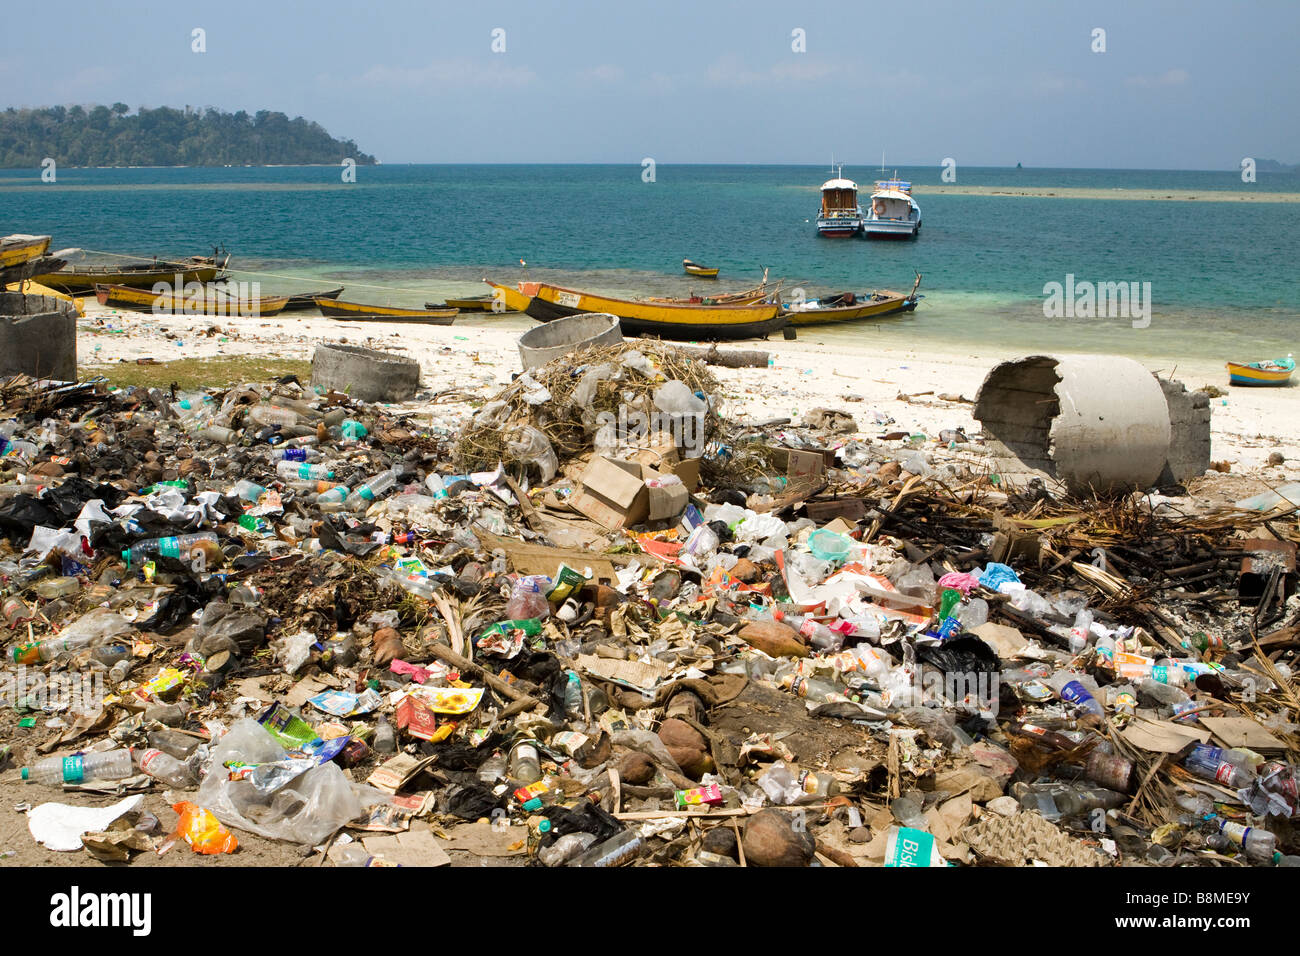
(1246,375)
(214,302)
(702,273)
(478,303)
(14,251)
(676,322)
(304,301)
(512,300)
(85,281)
(839,228)
(898,307)
(385,313)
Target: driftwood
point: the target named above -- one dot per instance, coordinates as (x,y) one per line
(733,358)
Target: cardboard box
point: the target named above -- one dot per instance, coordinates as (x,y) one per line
(619,494)
(799,465)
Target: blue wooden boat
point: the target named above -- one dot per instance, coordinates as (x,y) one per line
(1275,373)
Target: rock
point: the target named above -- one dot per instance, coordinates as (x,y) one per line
(635,768)
(47,469)
(774,639)
(1005,806)
(720,840)
(1276,458)
(387,644)
(687,746)
(860,835)
(889,471)
(772,840)
(746,571)
(193,466)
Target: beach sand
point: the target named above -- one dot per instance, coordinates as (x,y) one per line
(479,354)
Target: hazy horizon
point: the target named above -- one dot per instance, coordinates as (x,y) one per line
(1179,85)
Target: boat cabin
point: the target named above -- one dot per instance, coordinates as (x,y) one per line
(839,198)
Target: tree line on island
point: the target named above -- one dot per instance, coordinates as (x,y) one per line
(114,136)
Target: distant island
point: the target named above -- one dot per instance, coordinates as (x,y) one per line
(114,136)
(1273,166)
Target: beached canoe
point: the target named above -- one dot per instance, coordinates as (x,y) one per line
(142,275)
(19,248)
(512,300)
(708,323)
(302,301)
(847,307)
(1275,373)
(358,312)
(695,269)
(28,287)
(215,300)
(474,303)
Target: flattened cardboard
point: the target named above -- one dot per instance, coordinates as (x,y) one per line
(612,494)
(417,848)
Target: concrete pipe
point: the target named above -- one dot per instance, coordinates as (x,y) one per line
(365,374)
(562,336)
(38,336)
(1099,423)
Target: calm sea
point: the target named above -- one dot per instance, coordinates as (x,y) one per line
(1224,277)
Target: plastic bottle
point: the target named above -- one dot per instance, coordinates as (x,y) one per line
(248,490)
(23,449)
(1161,693)
(1207,762)
(15,612)
(436,487)
(219,434)
(1079,633)
(53,771)
(48,650)
(163,766)
(385,741)
(176,546)
(1260,845)
(336,495)
(527,600)
(573,695)
(273,415)
(812,688)
(368,491)
(1074,689)
(565,848)
(295,454)
(302,470)
(615,851)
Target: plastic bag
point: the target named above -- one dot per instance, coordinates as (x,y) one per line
(292,650)
(676,398)
(307,810)
(100,625)
(526,444)
(201,830)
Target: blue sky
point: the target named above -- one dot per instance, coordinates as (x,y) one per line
(1192,84)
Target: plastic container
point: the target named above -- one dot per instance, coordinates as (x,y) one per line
(302,470)
(55,771)
(163,766)
(177,546)
(615,851)
(273,415)
(828,546)
(366,493)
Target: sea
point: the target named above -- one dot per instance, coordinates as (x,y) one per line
(1224,275)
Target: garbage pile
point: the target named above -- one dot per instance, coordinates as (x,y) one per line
(570,630)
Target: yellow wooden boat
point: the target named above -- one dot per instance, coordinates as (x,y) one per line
(512,300)
(19,248)
(678,322)
(28,287)
(338,309)
(214,301)
(847,307)
(695,269)
(1276,373)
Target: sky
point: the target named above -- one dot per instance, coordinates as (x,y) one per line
(1191,84)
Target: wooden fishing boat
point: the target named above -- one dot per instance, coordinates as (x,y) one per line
(214,301)
(357,312)
(302,301)
(1275,373)
(759,293)
(474,303)
(847,307)
(140,275)
(695,269)
(893,213)
(668,321)
(28,287)
(839,215)
(18,248)
(512,300)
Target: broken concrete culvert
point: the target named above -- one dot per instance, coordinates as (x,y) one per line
(505,633)
(368,375)
(38,336)
(1101,424)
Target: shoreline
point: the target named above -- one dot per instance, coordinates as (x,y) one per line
(479,354)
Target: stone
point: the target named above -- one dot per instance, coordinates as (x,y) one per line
(720,840)
(889,471)
(387,645)
(746,571)
(1276,458)
(635,768)
(771,839)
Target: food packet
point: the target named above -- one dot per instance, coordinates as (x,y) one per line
(201,830)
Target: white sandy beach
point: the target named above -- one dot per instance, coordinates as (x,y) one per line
(479,354)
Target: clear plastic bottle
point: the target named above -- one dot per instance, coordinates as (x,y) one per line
(53,771)
(615,851)
(435,485)
(219,434)
(17,449)
(163,766)
(334,496)
(565,848)
(367,492)
(273,415)
(1161,693)
(295,453)
(1260,845)
(1208,763)
(1079,690)
(303,470)
(176,546)
(812,688)
(248,490)
(1080,633)
(527,600)
(525,764)
(51,648)
(573,695)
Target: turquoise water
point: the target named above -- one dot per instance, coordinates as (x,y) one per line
(1223,275)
